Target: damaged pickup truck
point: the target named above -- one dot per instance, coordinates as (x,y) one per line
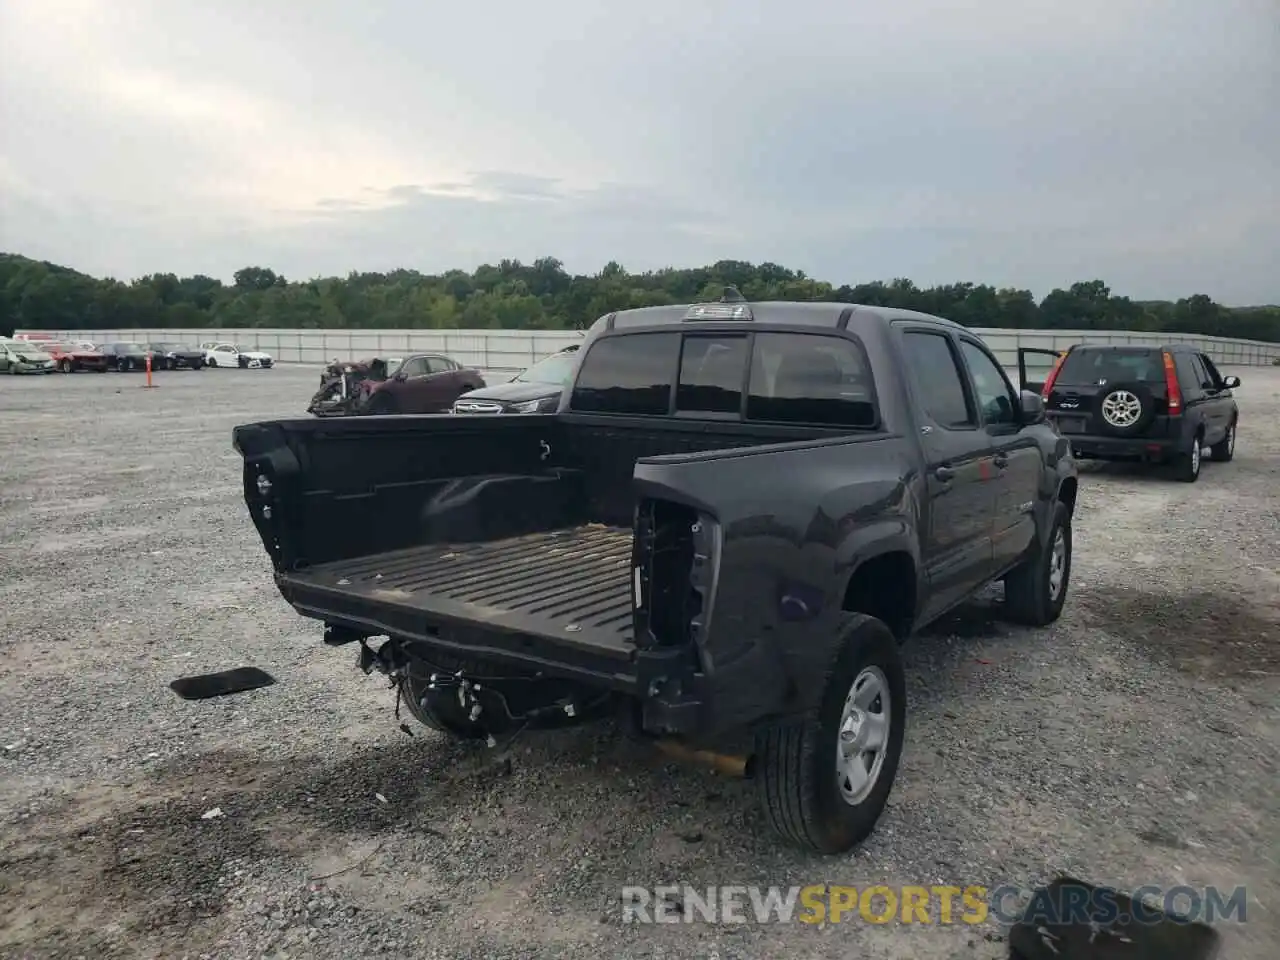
(737,514)
(420,383)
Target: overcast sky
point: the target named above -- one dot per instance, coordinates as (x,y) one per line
(1016,142)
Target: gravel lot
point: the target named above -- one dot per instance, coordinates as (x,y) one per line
(1135,742)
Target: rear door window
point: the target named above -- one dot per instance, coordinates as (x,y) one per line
(711,373)
(1200,380)
(1111,365)
(414,367)
(631,374)
(939,380)
(1215,377)
(808,378)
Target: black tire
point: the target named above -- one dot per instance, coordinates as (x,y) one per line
(797,779)
(197,365)
(1029,595)
(1187,466)
(213,361)
(124,364)
(1137,389)
(439,709)
(242,363)
(65,367)
(1225,449)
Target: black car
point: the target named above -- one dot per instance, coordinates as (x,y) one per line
(535,390)
(175,356)
(124,355)
(734,517)
(1163,404)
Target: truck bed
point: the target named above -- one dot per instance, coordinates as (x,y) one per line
(570,585)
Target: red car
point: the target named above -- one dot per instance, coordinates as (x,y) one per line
(70,357)
(420,383)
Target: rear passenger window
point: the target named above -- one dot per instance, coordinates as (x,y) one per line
(629,374)
(711,372)
(414,367)
(1199,377)
(811,379)
(938,379)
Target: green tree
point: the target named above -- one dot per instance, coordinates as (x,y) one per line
(543,295)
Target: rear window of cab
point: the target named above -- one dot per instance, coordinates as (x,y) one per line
(783,378)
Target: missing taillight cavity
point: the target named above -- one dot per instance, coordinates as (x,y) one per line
(664,567)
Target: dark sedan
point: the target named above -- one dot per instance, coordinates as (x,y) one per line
(175,356)
(535,390)
(125,355)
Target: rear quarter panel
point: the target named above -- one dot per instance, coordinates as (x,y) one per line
(793,522)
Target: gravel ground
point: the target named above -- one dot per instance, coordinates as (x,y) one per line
(1134,742)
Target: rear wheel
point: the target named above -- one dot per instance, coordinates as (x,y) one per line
(1036,589)
(824,778)
(65,366)
(1225,449)
(1187,468)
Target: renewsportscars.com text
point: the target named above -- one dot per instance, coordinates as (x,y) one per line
(918,904)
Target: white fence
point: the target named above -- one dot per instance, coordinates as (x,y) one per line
(501,351)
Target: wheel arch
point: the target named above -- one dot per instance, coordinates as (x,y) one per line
(885,584)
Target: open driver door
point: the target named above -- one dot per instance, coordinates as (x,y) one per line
(1034,365)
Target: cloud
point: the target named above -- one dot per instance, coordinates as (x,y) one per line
(1029,143)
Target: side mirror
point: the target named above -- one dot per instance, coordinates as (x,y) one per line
(400,377)
(1032,407)
(1231,382)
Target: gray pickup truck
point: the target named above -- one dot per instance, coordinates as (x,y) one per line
(734,518)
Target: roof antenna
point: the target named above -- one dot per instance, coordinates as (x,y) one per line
(731,295)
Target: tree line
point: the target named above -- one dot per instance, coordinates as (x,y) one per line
(513,295)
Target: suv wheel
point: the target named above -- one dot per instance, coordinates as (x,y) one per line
(824,778)
(1036,589)
(1188,468)
(1225,449)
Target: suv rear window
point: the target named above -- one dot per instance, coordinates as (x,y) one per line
(1112,364)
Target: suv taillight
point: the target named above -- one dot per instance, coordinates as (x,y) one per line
(1053,375)
(1171,385)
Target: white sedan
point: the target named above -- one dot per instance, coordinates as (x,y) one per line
(235,355)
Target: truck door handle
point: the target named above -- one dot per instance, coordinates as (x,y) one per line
(944,473)
(1001,460)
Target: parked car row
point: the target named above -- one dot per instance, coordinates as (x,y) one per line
(34,354)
